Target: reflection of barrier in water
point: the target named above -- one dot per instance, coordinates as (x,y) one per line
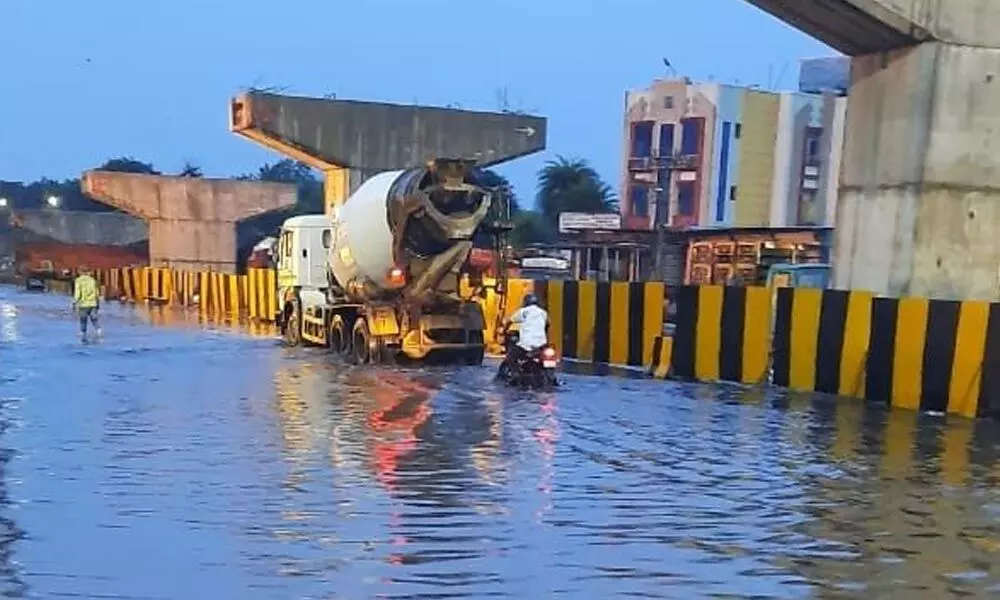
(905,514)
(547,435)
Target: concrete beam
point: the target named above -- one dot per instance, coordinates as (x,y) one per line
(860,27)
(192,221)
(369,137)
(919,201)
(80,227)
(851,26)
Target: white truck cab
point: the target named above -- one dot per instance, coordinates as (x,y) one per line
(302,248)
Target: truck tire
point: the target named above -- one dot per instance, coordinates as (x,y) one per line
(340,343)
(361,342)
(475,356)
(384,353)
(292,333)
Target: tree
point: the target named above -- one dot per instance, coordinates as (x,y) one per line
(530,227)
(311,197)
(502,188)
(566,185)
(285,171)
(190,170)
(127,164)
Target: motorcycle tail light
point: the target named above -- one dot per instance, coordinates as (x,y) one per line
(549,353)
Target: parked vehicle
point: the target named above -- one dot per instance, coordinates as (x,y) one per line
(799,276)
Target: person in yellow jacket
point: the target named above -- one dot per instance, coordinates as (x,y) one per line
(86,301)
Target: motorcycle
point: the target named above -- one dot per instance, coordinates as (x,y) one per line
(535,369)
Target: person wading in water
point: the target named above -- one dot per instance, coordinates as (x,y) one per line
(86,301)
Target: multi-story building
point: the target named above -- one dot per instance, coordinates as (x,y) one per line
(719,155)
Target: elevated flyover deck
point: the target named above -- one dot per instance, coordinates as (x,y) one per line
(350,140)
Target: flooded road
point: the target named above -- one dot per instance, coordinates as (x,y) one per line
(172,462)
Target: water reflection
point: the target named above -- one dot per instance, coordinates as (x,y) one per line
(11,582)
(783,494)
(911,508)
(8,322)
(277,473)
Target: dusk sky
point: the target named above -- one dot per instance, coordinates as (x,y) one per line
(84,81)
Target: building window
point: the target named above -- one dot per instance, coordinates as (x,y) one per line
(685,199)
(813,136)
(668,102)
(691,136)
(720,198)
(738,131)
(812,150)
(642,139)
(732,193)
(666,139)
(662,199)
(639,199)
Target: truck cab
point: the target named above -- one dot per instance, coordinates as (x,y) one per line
(302,248)
(808,275)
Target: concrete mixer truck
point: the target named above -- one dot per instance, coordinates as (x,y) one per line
(380,277)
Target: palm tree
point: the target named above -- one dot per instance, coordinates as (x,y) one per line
(566,185)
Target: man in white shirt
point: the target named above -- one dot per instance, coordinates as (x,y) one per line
(533,323)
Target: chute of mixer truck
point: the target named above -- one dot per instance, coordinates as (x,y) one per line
(380,277)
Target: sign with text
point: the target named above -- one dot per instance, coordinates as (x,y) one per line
(569,221)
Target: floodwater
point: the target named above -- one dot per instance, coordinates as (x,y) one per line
(173,462)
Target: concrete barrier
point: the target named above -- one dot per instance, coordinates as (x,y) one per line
(913,353)
(722,334)
(612,323)
(218,295)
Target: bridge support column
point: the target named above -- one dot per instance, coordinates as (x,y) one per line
(919,204)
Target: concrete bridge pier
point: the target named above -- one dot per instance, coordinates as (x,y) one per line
(192,221)
(919,205)
(918,211)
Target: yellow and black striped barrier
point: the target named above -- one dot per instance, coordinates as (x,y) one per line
(663,348)
(221,295)
(262,294)
(722,334)
(915,353)
(912,353)
(613,323)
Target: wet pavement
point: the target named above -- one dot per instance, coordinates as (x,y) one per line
(179,462)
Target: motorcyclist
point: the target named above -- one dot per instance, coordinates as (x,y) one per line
(533,324)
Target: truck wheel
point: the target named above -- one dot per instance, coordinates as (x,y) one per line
(293,327)
(337,336)
(384,353)
(475,356)
(361,342)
